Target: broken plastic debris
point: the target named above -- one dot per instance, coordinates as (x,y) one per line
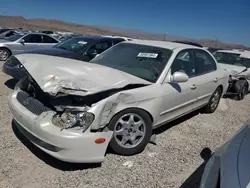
(153,154)
(128,164)
(153,139)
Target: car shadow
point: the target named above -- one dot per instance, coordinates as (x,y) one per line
(11,83)
(194,179)
(53,162)
(233,96)
(167,126)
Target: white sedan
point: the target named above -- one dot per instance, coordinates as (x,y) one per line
(74,110)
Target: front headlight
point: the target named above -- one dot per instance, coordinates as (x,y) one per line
(67,120)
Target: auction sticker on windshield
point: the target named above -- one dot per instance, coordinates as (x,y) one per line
(148,55)
(82,42)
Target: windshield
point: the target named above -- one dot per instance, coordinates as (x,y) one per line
(14,37)
(232,59)
(73,44)
(146,62)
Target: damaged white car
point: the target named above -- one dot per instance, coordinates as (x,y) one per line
(237,63)
(74,110)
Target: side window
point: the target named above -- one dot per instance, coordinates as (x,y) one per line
(100,46)
(204,63)
(33,38)
(184,62)
(47,39)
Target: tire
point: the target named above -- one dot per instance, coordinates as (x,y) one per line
(4,54)
(213,101)
(129,136)
(244,89)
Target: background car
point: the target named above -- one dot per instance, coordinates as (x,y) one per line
(229,165)
(237,63)
(8,33)
(82,48)
(20,42)
(117,99)
(4,30)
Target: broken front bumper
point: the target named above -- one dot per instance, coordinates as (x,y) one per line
(66,145)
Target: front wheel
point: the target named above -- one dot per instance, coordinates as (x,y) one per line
(244,90)
(4,54)
(214,101)
(132,131)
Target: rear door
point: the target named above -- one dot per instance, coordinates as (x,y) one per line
(180,97)
(31,41)
(48,41)
(207,78)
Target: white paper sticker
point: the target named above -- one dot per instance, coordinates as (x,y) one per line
(148,55)
(82,42)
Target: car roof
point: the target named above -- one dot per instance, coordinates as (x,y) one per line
(95,38)
(162,44)
(188,42)
(242,53)
(245,54)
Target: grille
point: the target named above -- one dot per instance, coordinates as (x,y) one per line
(12,61)
(30,103)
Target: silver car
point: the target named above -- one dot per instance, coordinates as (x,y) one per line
(20,42)
(73,109)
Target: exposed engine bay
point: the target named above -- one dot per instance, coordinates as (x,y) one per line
(70,110)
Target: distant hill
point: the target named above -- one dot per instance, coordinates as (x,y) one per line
(57,25)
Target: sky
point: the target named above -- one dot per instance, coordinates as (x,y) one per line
(225,20)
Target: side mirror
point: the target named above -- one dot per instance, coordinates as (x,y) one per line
(21,41)
(179,77)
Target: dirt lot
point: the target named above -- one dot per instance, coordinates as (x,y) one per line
(174,162)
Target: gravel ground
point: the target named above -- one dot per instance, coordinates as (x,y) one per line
(174,162)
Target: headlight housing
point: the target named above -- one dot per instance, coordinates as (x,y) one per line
(79,120)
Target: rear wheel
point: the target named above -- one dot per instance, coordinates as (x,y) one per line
(4,54)
(214,101)
(132,131)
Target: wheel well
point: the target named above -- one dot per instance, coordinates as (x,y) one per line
(7,49)
(150,116)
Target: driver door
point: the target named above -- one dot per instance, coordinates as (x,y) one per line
(31,41)
(180,97)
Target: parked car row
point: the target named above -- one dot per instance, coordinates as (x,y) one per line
(82,48)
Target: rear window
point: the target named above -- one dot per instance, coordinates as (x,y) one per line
(146,62)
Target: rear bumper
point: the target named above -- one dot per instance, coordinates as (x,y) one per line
(15,72)
(66,145)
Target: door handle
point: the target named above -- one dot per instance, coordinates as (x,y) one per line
(216,80)
(193,86)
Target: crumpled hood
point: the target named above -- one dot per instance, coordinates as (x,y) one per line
(232,69)
(57,74)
